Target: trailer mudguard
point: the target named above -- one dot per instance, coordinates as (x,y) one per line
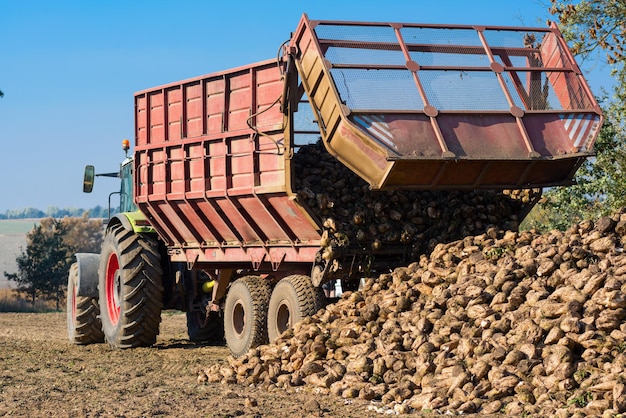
(87,274)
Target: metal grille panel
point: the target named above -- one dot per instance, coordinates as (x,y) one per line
(377,89)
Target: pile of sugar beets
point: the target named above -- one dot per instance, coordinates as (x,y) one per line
(497,321)
(352,214)
(513,322)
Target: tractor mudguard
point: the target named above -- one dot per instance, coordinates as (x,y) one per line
(87,274)
(132,221)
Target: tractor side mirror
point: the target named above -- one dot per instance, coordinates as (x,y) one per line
(90,174)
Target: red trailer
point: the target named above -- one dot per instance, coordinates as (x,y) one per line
(404,107)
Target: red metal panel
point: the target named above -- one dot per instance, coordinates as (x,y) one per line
(215,91)
(239,100)
(494,136)
(176,169)
(241,165)
(226,255)
(198,233)
(216,160)
(156,172)
(230,210)
(264,220)
(225,233)
(271,162)
(141,189)
(197,174)
(141,120)
(194,110)
(170,219)
(268,89)
(295,219)
(156,128)
(174,109)
(569,90)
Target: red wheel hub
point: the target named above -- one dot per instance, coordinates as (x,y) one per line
(72,294)
(113,289)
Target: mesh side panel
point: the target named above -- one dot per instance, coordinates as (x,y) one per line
(304,119)
(306,129)
(377,89)
(459,83)
(575,98)
(440,36)
(537,91)
(515,61)
(451,58)
(364,56)
(463,90)
(356,33)
(517,39)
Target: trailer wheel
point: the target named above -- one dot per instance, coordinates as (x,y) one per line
(203,329)
(130,288)
(245,314)
(83,314)
(293,299)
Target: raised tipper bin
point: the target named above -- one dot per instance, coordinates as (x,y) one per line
(448,106)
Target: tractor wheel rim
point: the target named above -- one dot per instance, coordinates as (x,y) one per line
(113,289)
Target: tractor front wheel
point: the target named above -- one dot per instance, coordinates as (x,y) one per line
(83,314)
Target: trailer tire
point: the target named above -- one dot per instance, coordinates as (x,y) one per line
(83,314)
(293,299)
(245,314)
(130,288)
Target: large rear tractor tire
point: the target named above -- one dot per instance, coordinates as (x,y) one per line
(130,288)
(83,314)
(293,299)
(245,314)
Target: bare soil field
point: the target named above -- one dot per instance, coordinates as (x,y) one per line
(42,374)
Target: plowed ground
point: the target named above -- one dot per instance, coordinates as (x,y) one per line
(42,374)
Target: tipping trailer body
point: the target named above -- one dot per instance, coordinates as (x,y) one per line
(404,106)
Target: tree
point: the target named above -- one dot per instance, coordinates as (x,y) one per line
(593,24)
(55,212)
(599,189)
(83,235)
(44,265)
(592,27)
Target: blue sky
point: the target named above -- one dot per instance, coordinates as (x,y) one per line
(69,69)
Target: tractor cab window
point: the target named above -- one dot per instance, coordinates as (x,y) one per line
(126,191)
